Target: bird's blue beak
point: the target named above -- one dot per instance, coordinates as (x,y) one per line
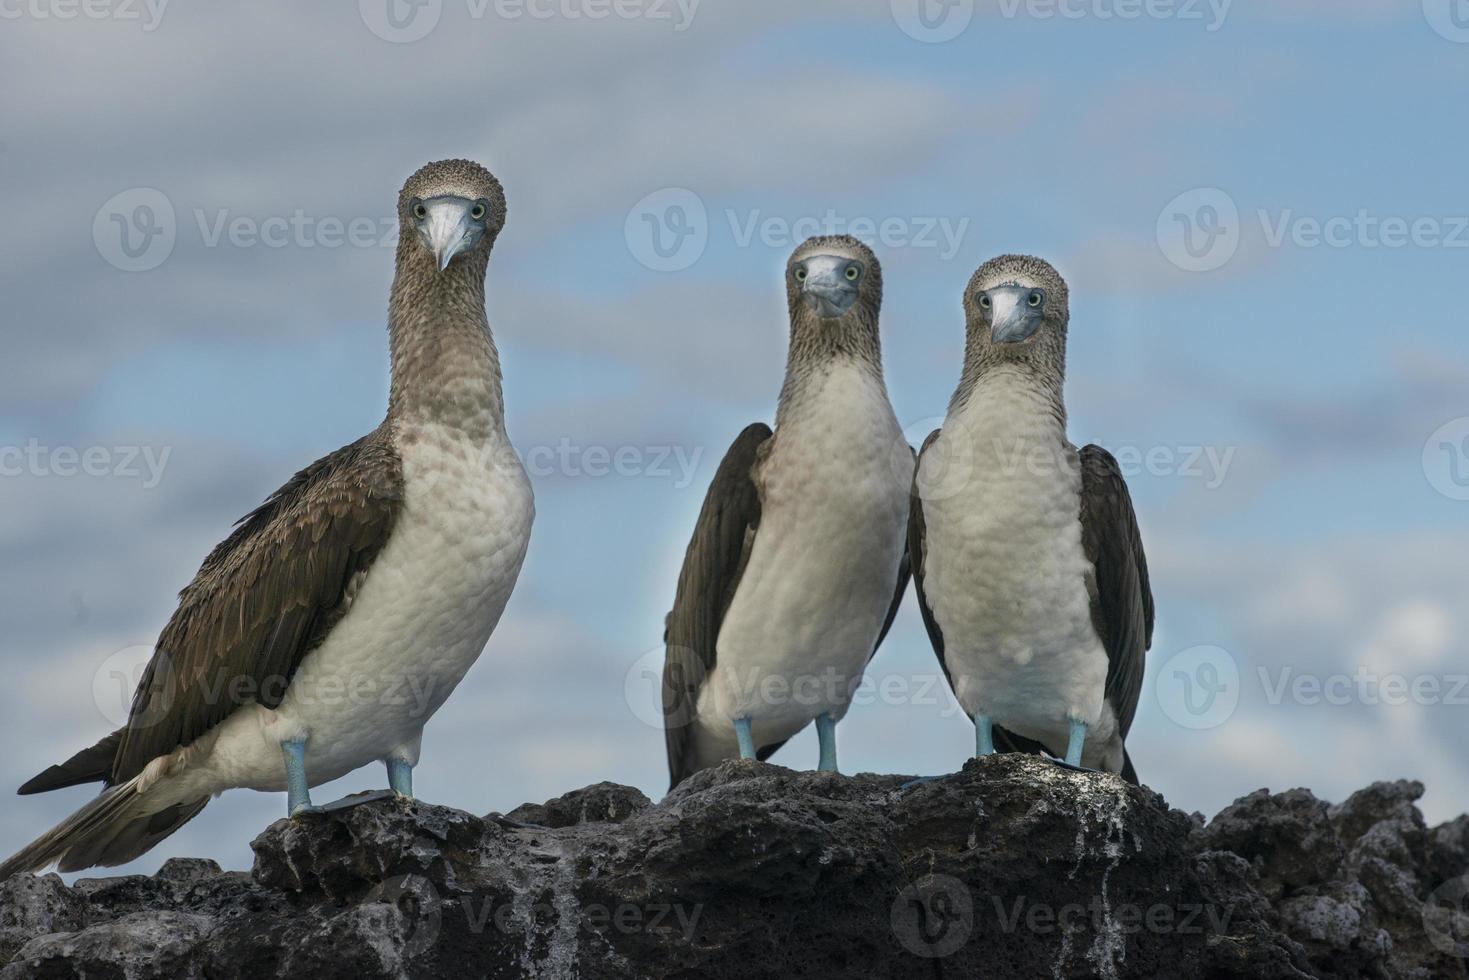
(447,229)
(828,287)
(1013,316)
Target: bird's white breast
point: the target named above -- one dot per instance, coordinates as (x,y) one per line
(420,619)
(824,563)
(1005,573)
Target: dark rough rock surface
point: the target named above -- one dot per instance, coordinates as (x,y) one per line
(1012,868)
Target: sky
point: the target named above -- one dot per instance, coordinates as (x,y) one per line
(1259,208)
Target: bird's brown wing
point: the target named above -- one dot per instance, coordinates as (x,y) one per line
(262,600)
(1122,607)
(712,568)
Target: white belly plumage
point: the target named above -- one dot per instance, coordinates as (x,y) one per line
(1005,573)
(422,617)
(823,570)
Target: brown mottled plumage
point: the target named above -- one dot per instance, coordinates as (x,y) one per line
(724,534)
(1121,599)
(268,595)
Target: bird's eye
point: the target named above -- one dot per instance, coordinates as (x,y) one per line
(852,273)
(800,274)
(419,211)
(478,211)
(984,301)
(1036,298)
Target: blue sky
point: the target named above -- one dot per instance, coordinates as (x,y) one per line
(1330,546)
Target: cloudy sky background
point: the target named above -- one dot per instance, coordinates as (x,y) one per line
(1330,545)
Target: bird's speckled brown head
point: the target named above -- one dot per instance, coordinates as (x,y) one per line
(830,276)
(450,211)
(1017,310)
(1016,297)
(834,290)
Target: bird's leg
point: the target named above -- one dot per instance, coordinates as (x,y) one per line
(826,734)
(746,737)
(298,794)
(984,736)
(984,744)
(1078,738)
(400,777)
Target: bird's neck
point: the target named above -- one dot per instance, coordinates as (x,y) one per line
(446,370)
(1038,372)
(817,348)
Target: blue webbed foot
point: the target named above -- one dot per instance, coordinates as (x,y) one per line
(919,781)
(1073,749)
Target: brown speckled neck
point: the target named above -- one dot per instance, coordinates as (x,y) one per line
(1041,367)
(446,369)
(817,345)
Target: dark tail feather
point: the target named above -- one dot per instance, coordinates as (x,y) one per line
(1129,773)
(1006,741)
(92,765)
(113,829)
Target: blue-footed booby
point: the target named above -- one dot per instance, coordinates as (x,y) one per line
(338,617)
(1026,554)
(798,561)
